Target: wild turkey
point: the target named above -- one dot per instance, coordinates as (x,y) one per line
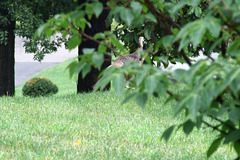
(135,56)
(120,61)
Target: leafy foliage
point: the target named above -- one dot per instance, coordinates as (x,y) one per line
(29,15)
(39,86)
(175,31)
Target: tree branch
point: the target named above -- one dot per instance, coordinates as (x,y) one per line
(214,128)
(222,122)
(214,118)
(88,37)
(161,18)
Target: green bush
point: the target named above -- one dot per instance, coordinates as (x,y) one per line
(39,86)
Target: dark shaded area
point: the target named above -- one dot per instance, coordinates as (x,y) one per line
(7,55)
(98,25)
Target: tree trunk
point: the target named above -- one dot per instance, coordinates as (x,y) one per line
(7,86)
(98,25)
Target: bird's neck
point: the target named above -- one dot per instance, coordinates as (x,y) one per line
(140,44)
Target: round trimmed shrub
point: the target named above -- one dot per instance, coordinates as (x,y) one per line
(39,86)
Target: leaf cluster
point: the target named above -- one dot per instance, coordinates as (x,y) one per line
(29,15)
(175,31)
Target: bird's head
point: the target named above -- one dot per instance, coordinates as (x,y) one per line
(141,39)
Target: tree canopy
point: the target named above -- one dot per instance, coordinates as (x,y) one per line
(175,31)
(29,15)
(22,18)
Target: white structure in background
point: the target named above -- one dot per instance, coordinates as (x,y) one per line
(185,66)
(61,55)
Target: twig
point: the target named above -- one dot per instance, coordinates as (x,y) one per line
(224,3)
(214,128)
(211,58)
(222,122)
(144,57)
(171,94)
(88,37)
(209,125)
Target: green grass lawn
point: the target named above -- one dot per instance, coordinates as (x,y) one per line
(94,126)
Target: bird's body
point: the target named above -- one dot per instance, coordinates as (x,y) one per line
(135,56)
(120,61)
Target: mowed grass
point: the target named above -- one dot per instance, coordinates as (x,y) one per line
(94,126)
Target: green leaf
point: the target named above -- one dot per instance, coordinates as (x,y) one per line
(76,15)
(229,78)
(194,105)
(139,20)
(195,2)
(188,126)
(150,84)
(140,77)
(151,17)
(197,11)
(88,50)
(98,8)
(191,32)
(82,23)
(137,7)
(167,41)
(234,48)
(178,74)
(183,43)
(147,33)
(233,136)
(103,82)
(98,60)
(40,30)
(72,67)
(237,148)
(102,49)
(74,42)
(199,121)
(235,86)
(193,70)
(169,99)
(80,66)
(127,16)
(99,36)
(118,84)
(142,99)
(196,36)
(213,25)
(116,10)
(86,69)
(118,44)
(234,115)
(167,133)
(161,88)
(179,5)
(229,2)
(214,3)
(128,97)
(182,104)
(214,146)
(89,10)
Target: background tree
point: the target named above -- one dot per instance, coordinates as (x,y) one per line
(175,31)
(31,14)
(28,15)
(7,39)
(98,24)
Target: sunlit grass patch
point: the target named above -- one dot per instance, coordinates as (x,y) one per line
(94,126)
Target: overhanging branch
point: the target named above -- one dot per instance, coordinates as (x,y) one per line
(161,18)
